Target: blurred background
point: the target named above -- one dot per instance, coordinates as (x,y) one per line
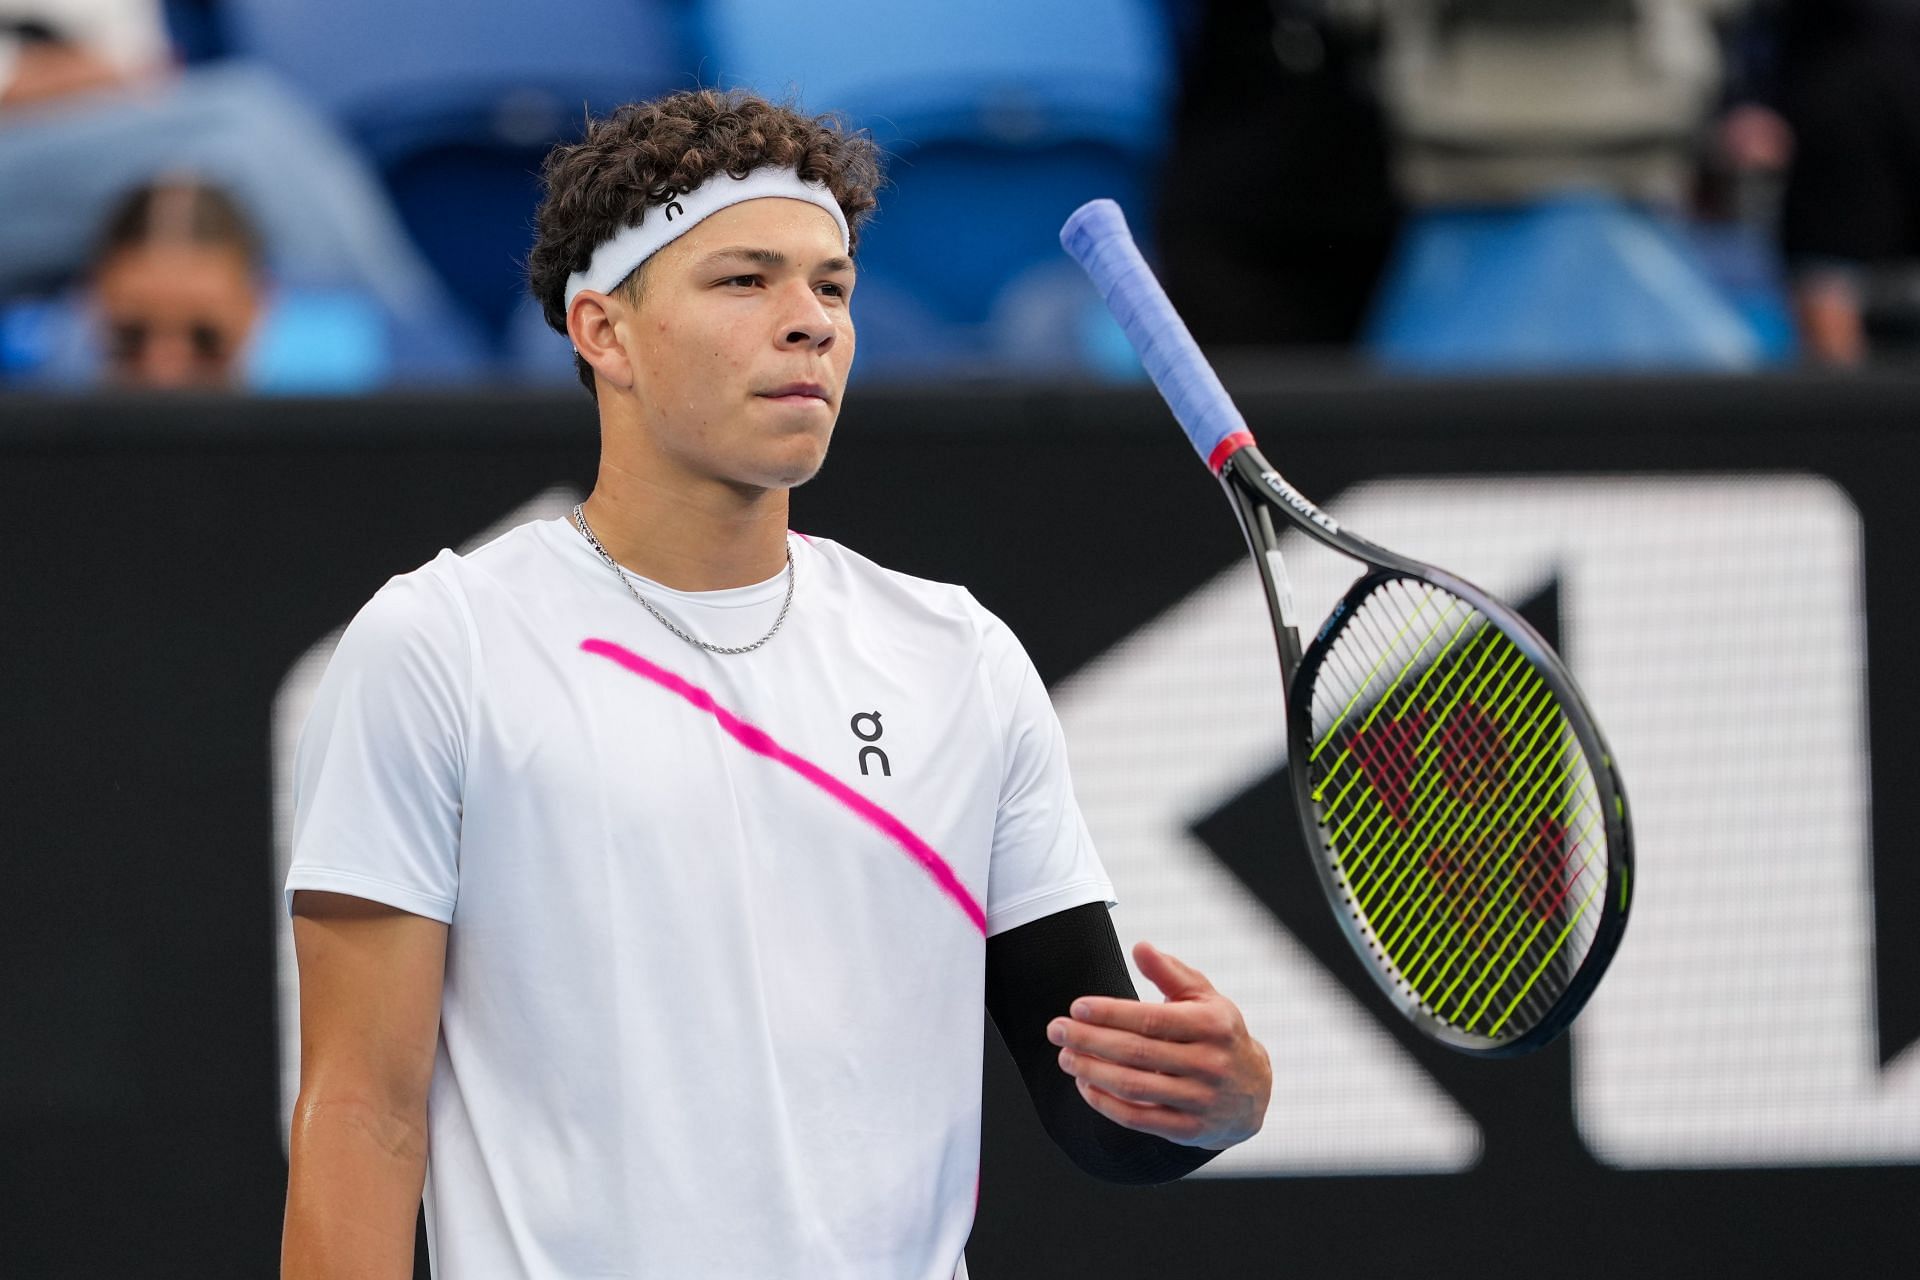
(1612,306)
(286,197)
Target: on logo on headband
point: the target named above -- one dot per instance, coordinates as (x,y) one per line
(615,258)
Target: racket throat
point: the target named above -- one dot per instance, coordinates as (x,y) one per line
(1256,523)
(1280,604)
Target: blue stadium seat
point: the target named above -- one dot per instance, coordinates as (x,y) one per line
(962,220)
(470,206)
(196,28)
(1013,71)
(403,73)
(533,354)
(1000,118)
(1577,282)
(458,103)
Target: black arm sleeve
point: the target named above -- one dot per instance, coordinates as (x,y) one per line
(1034,974)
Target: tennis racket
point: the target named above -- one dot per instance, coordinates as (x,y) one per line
(1459,800)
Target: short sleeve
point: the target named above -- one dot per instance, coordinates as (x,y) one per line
(1043,858)
(379,771)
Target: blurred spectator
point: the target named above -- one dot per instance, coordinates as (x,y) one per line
(1849,86)
(1534,160)
(178,294)
(177,290)
(1548,153)
(90,105)
(1275,214)
(59,48)
(1507,100)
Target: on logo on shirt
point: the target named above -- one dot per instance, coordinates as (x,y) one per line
(872,718)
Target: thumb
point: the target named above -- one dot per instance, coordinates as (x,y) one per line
(1176,979)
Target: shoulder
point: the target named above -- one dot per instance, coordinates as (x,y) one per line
(440,593)
(874,588)
(925,616)
(405,661)
(424,612)
(524,550)
(420,602)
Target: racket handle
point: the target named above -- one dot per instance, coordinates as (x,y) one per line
(1097,238)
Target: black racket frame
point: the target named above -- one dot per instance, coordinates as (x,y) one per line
(1257,492)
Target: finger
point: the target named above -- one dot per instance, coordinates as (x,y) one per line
(1142,1053)
(1190,1021)
(1176,979)
(1146,1087)
(1175,1126)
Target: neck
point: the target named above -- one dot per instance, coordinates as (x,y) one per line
(689,537)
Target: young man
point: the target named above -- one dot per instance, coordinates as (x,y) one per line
(651,866)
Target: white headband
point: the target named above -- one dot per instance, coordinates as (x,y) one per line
(616,258)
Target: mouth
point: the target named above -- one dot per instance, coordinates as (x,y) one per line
(800,393)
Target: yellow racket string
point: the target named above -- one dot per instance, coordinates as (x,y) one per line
(1459,812)
(1414,954)
(1386,652)
(1382,814)
(1455,817)
(1431,943)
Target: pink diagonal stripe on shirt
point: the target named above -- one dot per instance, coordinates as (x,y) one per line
(759,742)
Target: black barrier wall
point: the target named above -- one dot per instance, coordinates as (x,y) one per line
(1725,563)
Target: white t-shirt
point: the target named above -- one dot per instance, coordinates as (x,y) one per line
(715,965)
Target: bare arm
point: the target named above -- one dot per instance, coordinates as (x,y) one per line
(370,978)
(41,71)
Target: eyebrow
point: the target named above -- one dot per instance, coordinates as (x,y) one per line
(769,258)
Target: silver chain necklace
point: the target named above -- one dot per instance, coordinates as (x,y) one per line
(580,519)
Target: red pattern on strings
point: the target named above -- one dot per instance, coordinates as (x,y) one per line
(1474,761)
(1475,876)
(1476,767)
(1388,755)
(1545,858)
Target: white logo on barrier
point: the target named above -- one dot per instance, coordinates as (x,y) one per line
(1716,624)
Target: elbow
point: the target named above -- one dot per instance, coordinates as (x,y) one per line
(396,1127)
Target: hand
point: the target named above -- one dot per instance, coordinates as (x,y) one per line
(1756,139)
(1832,318)
(1187,1070)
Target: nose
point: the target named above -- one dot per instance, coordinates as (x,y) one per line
(166,361)
(806,324)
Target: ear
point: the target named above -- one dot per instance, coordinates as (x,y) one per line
(591,327)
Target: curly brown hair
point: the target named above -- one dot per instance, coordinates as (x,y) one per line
(646,153)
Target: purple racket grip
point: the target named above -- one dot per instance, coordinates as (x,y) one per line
(1097,238)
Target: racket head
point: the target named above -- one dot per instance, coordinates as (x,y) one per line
(1463,809)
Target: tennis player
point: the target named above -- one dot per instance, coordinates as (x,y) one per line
(652,865)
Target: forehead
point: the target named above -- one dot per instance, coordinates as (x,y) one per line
(802,231)
(176,271)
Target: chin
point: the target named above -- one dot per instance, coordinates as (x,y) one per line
(790,470)
(793,477)
(799,461)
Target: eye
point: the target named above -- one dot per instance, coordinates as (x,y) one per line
(747,280)
(209,344)
(126,340)
(834,290)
